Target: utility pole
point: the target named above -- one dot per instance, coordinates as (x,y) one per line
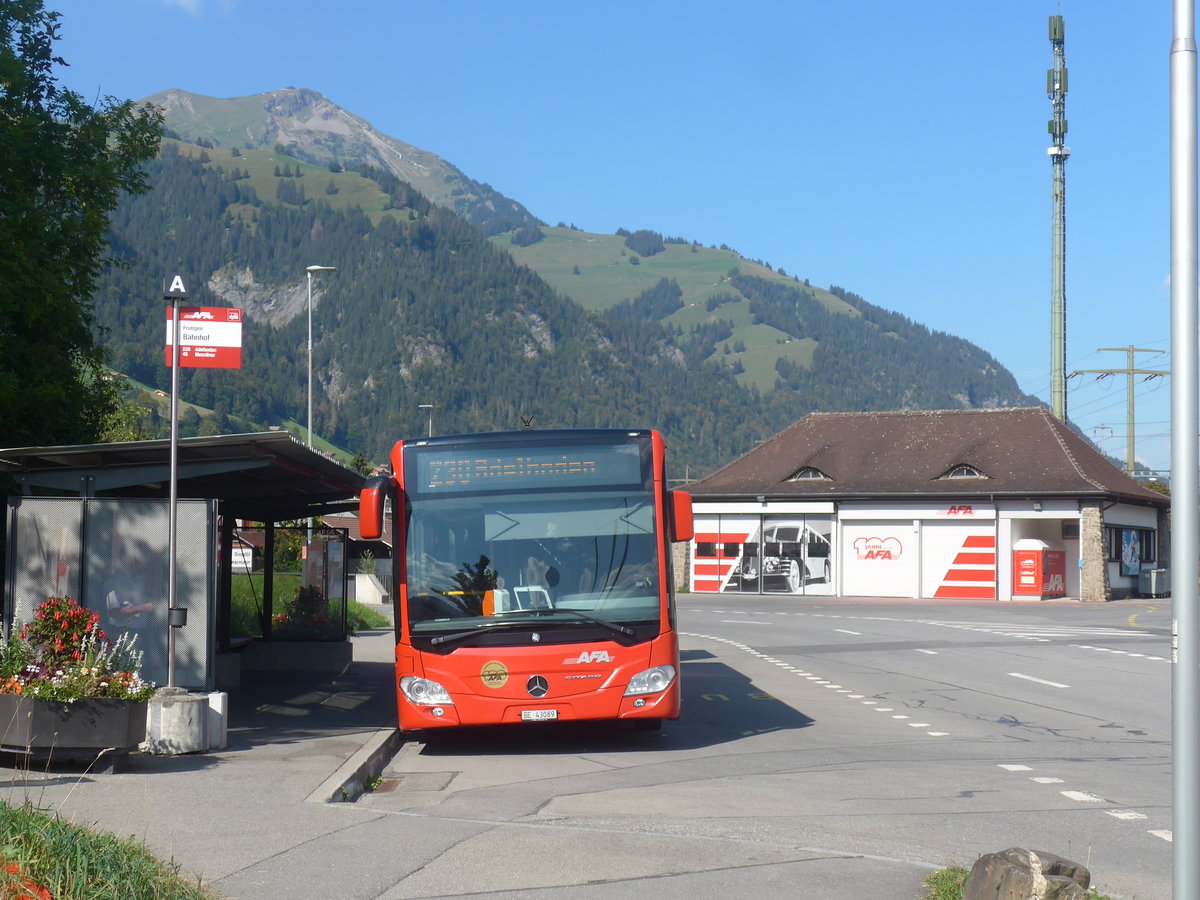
(1130,371)
(1056,88)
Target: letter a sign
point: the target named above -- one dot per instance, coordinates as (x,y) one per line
(176,291)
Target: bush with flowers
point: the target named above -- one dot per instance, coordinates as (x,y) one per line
(306,617)
(64,655)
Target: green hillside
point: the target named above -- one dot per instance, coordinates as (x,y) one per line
(597,271)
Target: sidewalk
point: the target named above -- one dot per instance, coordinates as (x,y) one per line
(296,741)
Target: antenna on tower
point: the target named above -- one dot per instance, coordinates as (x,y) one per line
(1056,88)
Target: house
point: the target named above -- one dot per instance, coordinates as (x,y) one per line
(995,504)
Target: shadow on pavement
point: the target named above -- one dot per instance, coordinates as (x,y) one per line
(719,705)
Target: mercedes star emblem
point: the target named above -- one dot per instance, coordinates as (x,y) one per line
(537,686)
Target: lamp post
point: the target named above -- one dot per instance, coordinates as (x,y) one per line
(429,407)
(310,270)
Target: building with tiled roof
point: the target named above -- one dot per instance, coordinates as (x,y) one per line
(926,504)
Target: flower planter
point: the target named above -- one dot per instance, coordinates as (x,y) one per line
(72,731)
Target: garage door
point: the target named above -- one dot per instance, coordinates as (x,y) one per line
(959,560)
(879,559)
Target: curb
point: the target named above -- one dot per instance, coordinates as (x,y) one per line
(348,783)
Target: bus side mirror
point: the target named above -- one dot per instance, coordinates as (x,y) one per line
(370,507)
(682,528)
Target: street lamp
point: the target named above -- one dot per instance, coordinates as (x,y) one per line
(312,269)
(428,406)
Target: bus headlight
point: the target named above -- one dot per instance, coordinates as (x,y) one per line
(651,681)
(424,692)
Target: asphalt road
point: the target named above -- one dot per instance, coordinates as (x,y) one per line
(828,748)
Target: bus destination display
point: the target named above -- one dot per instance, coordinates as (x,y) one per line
(491,469)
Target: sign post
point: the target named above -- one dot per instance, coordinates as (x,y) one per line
(174,294)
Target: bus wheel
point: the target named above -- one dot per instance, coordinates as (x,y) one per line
(793,576)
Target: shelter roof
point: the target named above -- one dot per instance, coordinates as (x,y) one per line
(994,452)
(268,476)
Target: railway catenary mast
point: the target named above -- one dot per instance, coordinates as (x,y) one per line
(1056,88)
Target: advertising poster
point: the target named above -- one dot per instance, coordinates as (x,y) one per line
(1131,551)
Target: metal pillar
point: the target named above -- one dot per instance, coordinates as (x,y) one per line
(1185,456)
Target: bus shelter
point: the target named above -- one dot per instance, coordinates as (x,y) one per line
(91,521)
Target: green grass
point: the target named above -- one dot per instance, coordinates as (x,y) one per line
(74,863)
(595,271)
(247,596)
(946,884)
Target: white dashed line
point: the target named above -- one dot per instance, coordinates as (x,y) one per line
(1015,767)
(1047,780)
(816,679)
(1038,680)
(1164,834)
(1082,796)
(1126,815)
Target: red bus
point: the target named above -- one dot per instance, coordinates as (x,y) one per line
(532,577)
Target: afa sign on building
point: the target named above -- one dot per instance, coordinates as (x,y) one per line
(210,337)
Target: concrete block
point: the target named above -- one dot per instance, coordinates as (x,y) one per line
(177,722)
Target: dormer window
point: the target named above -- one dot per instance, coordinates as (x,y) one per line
(809,473)
(964,471)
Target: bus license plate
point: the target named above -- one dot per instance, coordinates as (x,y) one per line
(538,715)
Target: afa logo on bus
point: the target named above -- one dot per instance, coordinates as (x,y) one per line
(588,656)
(878,548)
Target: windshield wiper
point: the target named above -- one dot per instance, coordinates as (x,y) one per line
(439,639)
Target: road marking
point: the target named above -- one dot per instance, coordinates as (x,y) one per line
(1164,834)
(1082,796)
(1046,779)
(1126,815)
(814,678)
(1016,767)
(929,652)
(844,631)
(1038,680)
(742,622)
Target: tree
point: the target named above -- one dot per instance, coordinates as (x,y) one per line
(63,166)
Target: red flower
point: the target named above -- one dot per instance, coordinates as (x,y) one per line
(25,889)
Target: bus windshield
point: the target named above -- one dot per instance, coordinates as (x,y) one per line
(533,559)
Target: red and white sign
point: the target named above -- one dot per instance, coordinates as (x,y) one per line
(210,337)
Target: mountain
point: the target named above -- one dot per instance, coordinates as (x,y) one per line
(422,309)
(308,126)
(555,325)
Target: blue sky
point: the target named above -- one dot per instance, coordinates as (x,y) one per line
(897,150)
